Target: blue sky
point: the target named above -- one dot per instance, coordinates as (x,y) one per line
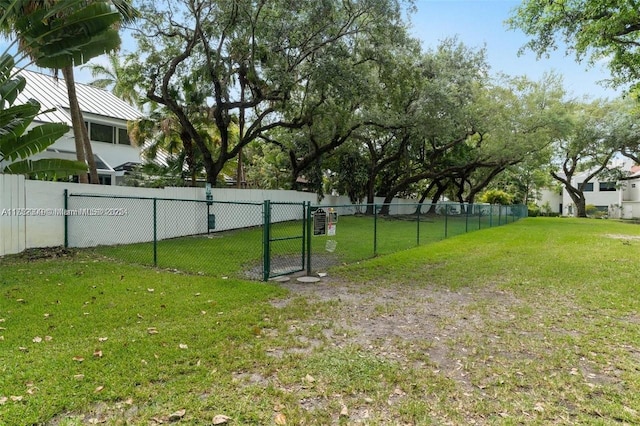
(480,23)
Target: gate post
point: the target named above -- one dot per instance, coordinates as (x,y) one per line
(66,218)
(266,240)
(375,229)
(308,242)
(155,232)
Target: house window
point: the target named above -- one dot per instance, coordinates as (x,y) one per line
(123,137)
(101,133)
(607,186)
(588,187)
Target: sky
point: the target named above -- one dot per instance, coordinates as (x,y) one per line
(480,23)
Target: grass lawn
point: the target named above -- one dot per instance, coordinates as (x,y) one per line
(239,253)
(537,322)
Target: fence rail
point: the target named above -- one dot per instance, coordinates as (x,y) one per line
(262,240)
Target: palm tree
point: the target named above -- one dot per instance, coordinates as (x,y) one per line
(116,77)
(89,25)
(163,135)
(16,144)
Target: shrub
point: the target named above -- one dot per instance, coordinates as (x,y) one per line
(496,196)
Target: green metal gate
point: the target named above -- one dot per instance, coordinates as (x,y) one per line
(284,238)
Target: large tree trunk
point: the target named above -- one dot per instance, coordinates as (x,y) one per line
(84,151)
(578,199)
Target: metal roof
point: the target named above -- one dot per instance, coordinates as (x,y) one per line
(51,92)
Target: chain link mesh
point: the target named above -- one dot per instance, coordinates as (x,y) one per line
(213,238)
(263,240)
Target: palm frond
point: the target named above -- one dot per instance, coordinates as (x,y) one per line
(46,168)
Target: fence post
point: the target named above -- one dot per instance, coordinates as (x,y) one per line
(66,218)
(446,220)
(266,239)
(499,214)
(155,232)
(466,219)
(479,218)
(418,217)
(375,229)
(309,233)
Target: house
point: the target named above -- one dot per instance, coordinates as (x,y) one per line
(105,116)
(619,199)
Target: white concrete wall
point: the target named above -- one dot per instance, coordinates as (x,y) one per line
(630,210)
(133,218)
(552,197)
(12,223)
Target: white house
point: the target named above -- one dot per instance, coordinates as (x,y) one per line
(619,199)
(105,116)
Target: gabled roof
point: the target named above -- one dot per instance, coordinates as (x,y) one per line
(51,92)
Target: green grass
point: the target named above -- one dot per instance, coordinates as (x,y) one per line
(535,323)
(239,253)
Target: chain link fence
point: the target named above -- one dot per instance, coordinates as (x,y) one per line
(354,236)
(196,236)
(262,240)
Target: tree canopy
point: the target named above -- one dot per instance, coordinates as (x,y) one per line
(596,30)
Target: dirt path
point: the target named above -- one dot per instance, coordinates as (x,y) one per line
(406,323)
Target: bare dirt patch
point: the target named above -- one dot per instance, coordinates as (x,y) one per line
(623,237)
(411,325)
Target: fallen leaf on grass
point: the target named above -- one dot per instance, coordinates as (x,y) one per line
(23,349)
(150,290)
(98,389)
(102,339)
(152,330)
(3,400)
(78,376)
(48,338)
(97,353)
(280,419)
(183,346)
(174,417)
(309,378)
(220,419)
(20,300)
(399,391)
(16,398)
(344,412)
(538,407)
(78,358)
(37,339)
(31,391)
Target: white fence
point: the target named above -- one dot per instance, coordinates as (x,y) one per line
(32,212)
